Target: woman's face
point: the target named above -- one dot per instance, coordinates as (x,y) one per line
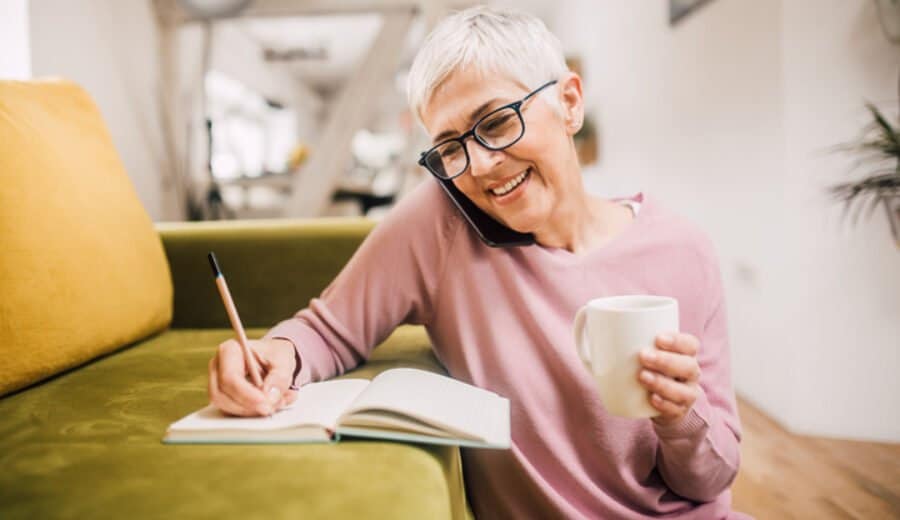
(545,153)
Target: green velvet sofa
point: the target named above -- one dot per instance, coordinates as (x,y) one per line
(84,405)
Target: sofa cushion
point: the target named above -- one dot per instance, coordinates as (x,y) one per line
(82,270)
(87,444)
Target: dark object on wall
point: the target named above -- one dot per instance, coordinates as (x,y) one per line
(889,17)
(587,138)
(586,142)
(679,9)
(317,52)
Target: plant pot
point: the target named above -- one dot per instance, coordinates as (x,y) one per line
(892,205)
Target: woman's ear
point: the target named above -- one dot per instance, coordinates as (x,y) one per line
(572,102)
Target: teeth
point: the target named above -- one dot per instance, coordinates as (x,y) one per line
(506,188)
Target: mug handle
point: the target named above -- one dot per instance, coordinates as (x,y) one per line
(584,351)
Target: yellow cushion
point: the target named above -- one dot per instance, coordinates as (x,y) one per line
(82,271)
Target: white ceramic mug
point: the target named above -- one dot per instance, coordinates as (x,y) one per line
(609,335)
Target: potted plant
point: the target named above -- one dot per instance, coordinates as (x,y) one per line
(879,147)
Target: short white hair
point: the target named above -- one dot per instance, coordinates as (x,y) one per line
(512,43)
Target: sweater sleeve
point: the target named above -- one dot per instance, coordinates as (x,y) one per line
(390,280)
(698,457)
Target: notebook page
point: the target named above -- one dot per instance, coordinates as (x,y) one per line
(440,401)
(316,404)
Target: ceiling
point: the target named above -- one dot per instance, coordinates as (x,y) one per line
(344,38)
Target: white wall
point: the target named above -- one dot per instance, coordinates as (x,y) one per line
(727,118)
(15,58)
(109,47)
(834,58)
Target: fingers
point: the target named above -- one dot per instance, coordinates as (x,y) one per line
(678,342)
(231,383)
(216,397)
(668,389)
(261,361)
(670,373)
(279,378)
(287,399)
(276,385)
(668,409)
(682,367)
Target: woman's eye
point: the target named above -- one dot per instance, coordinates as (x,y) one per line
(450,151)
(496,123)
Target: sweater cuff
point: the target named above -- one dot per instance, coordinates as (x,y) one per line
(694,422)
(296,380)
(298,364)
(302,374)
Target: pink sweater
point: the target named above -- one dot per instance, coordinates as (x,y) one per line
(501,319)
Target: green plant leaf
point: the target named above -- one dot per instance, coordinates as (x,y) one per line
(879,144)
(873,204)
(890,134)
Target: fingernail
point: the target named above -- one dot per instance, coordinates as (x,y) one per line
(666,338)
(649,355)
(274,395)
(646,376)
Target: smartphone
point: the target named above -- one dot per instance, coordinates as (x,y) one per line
(490,231)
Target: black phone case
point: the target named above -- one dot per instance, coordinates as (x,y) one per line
(489,230)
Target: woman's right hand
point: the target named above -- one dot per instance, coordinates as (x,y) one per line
(231,391)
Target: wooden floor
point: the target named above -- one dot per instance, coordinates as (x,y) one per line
(786,476)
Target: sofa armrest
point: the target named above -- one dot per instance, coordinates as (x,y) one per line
(273,267)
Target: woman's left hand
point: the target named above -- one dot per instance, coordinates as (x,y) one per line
(671,374)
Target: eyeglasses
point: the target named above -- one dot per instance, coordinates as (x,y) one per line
(497,130)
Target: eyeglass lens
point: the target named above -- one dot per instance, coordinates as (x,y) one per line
(496,131)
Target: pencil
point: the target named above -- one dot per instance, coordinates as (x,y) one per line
(249,358)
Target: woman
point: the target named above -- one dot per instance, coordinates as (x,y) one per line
(492,90)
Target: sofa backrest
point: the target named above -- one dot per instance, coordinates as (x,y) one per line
(82,270)
(273,267)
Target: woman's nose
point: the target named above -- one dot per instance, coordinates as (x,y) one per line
(482,160)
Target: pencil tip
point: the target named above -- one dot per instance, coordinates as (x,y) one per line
(214,264)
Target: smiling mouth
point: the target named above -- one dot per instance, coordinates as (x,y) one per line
(510,186)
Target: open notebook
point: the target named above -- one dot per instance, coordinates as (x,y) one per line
(402,404)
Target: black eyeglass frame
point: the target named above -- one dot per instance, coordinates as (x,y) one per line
(515,105)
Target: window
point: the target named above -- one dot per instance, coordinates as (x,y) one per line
(250,135)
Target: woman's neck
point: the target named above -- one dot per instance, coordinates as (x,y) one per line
(583,223)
